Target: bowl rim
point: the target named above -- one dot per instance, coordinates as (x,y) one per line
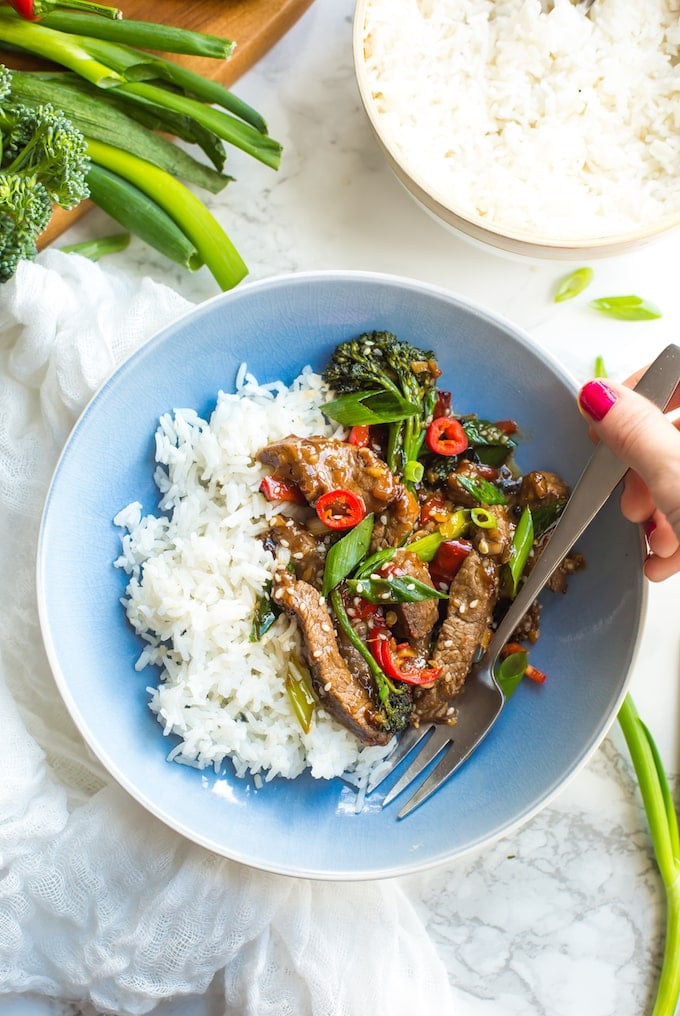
(476,227)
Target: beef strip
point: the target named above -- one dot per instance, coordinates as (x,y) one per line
(471,471)
(415,621)
(467,625)
(496,542)
(397,521)
(339,691)
(318,465)
(541,488)
(307,551)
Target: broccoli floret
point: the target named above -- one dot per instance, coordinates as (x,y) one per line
(396,704)
(25,210)
(5,82)
(379,361)
(43,162)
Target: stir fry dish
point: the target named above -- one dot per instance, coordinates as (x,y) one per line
(402,542)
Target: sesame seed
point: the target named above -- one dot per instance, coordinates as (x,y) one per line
(284,543)
(325,627)
(327,686)
(473,604)
(298,555)
(448,644)
(317,654)
(462,608)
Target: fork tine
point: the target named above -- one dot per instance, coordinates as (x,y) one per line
(406,743)
(441,736)
(463,739)
(441,772)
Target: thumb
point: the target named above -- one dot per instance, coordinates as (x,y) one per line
(641,436)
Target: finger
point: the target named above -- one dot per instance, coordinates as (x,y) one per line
(641,436)
(661,539)
(637,503)
(659,568)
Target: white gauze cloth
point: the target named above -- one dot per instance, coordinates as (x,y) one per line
(99,901)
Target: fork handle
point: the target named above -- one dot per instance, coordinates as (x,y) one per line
(597,481)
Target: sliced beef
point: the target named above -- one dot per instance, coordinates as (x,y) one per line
(339,691)
(415,621)
(307,551)
(470,471)
(496,542)
(541,488)
(396,521)
(472,599)
(318,465)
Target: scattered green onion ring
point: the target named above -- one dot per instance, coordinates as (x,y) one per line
(413,471)
(626,308)
(573,284)
(483,518)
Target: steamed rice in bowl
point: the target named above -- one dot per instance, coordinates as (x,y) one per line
(532,120)
(196,570)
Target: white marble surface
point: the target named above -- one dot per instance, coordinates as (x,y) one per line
(565,918)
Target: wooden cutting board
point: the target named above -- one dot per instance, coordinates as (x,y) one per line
(254,25)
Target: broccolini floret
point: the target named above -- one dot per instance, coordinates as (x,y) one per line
(381,364)
(25,210)
(43,162)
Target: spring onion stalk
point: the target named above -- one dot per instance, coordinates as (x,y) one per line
(253,142)
(82,105)
(189,213)
(99,248)
(63,49)
(663,826)
(128,32)
(106,64)
(169,39)
(135,211)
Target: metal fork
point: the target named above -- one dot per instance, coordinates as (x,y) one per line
(480,702)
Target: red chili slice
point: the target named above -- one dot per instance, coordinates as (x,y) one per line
(359,436)
(433,509)
(340,509)
(448,559)
(509,427)
(446,436)
(442,406)
(394,661)
(276,489)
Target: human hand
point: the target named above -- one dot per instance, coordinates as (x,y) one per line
(649,443)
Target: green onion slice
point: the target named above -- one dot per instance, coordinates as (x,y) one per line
(573,284)
(626,308)
(346,554)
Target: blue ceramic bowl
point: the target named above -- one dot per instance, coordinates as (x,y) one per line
(308,827)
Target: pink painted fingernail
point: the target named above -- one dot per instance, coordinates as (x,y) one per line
(596,398)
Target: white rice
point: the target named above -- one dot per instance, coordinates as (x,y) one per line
(532,117)
(196,571)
